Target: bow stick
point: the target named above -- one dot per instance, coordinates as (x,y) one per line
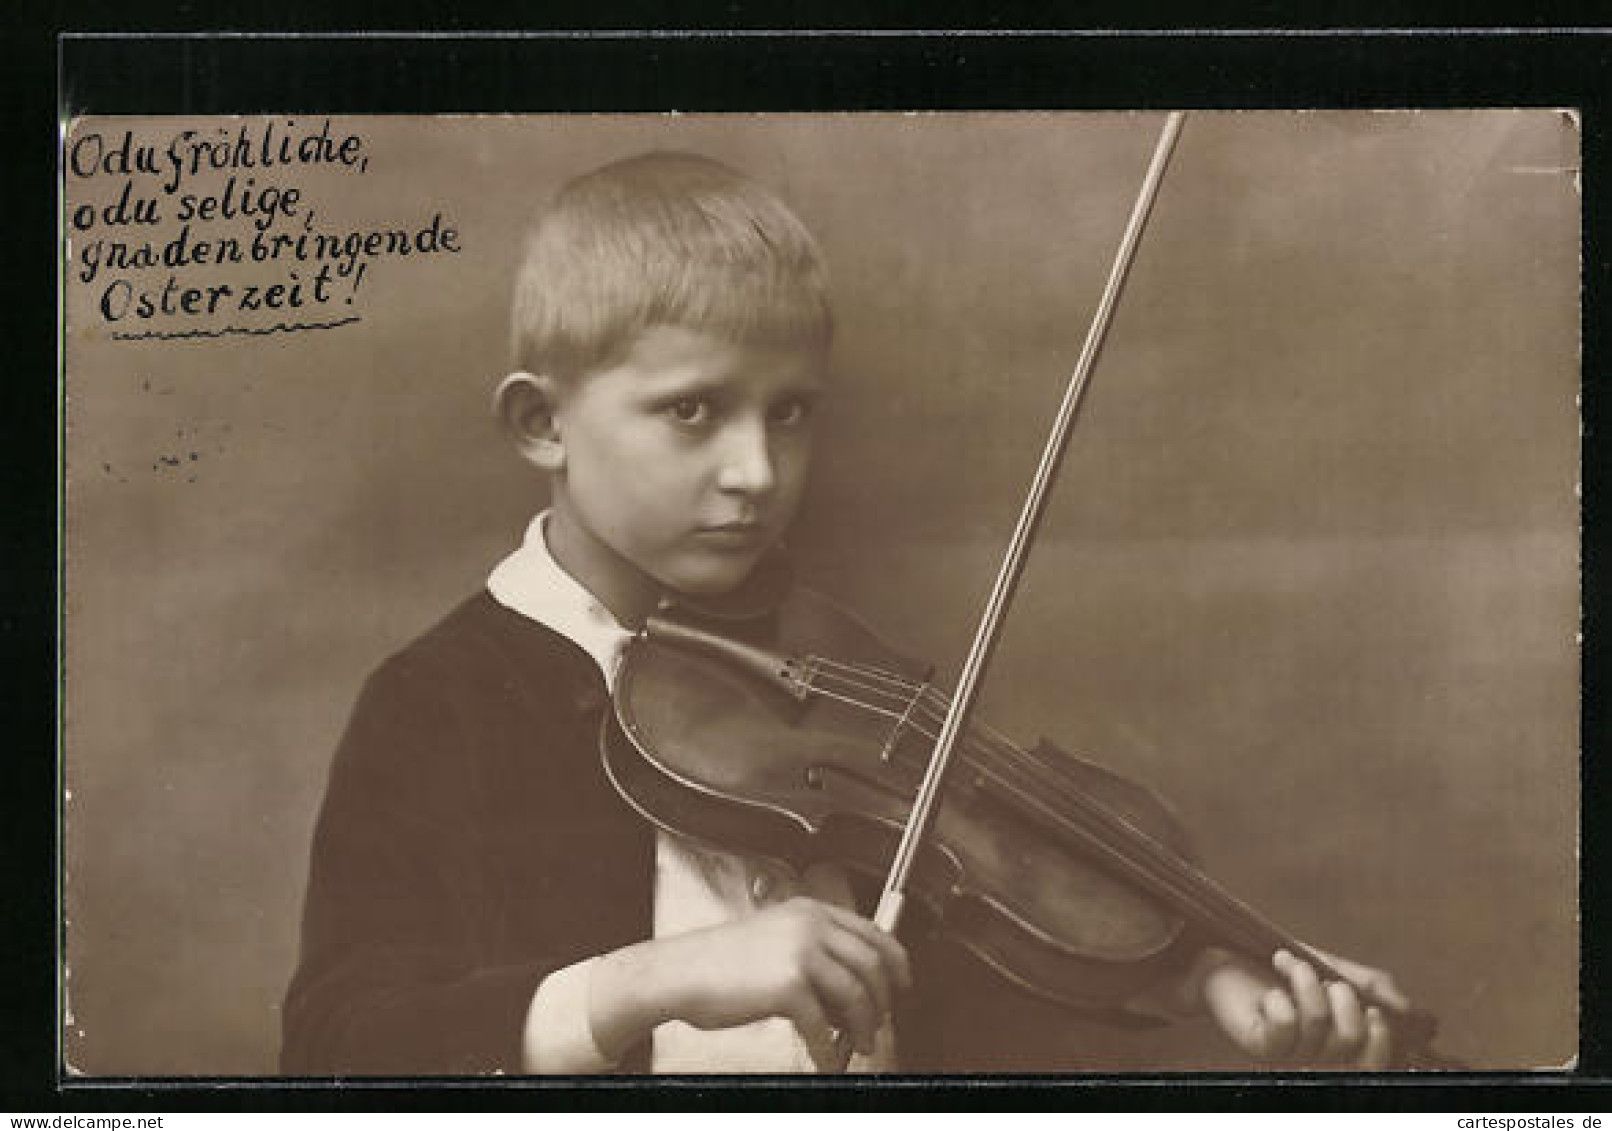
(925,804)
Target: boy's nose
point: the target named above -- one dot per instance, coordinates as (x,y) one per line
(747,463)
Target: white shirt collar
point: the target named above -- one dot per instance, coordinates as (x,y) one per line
(531,583)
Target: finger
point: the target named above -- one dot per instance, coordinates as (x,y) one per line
(1377,985)
(1382,990)
(892,954)
(1314,1011)
(815,1030)
(1348,1034)
(1234,993)
(1379,1048)
(863,960)
(844,999)
(1277,1030)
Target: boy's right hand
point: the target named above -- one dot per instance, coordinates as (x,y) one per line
(821,966)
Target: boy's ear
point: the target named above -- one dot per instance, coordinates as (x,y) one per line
(525,404)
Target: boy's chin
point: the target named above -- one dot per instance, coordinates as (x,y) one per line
(711,581)
(754,585)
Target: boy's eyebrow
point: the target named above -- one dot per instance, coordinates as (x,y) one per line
(665,384)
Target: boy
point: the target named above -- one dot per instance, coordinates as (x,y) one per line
(479,899)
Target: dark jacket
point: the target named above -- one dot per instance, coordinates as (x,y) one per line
(468,846)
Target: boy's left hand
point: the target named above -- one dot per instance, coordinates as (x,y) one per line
(1288,1014)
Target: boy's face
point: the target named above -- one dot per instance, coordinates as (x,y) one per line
(682,463)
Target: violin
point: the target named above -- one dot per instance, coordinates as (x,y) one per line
(782,726)
(799,735)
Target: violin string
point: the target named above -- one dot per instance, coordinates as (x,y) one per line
(931,695)
(938,704)
(868,670)
(1193,887)
(852,700)
(869,677)
(1186,885)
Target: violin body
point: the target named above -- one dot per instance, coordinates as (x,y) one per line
(750,738)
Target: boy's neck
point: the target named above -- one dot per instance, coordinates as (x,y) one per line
(620,586)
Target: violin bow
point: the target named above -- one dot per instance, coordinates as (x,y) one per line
(892,899)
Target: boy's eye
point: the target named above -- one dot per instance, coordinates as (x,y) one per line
(690,410)
(787,414)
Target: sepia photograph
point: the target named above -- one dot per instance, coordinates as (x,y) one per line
(1049,593)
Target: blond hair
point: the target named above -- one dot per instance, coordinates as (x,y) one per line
(664,239)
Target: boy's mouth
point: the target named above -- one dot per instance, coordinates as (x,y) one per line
(733,535)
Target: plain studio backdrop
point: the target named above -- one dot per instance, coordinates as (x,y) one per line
(1311,570)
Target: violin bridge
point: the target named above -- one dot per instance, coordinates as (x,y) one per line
(888,751)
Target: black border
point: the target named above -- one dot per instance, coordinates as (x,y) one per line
(998,64)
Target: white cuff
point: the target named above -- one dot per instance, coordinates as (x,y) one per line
(559,1034)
